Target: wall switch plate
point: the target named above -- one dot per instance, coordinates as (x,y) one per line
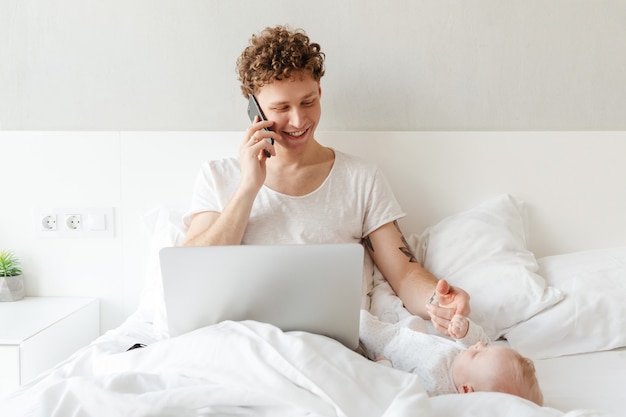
(61,222)
(96,221)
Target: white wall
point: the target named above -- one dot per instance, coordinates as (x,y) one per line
(392,65)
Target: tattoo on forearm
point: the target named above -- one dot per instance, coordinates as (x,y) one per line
(408,254)
(405,249)
(367,242)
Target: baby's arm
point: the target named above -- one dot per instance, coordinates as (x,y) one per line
(466,332)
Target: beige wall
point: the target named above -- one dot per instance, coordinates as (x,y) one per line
(392,65)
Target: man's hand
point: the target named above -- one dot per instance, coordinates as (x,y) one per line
(447,302)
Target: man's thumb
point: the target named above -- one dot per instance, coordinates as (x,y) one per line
(443,287)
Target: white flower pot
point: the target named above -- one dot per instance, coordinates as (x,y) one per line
(12,288)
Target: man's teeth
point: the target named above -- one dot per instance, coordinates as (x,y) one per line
(296,134)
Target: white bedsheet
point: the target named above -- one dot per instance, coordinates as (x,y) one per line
(240,368)
(585,381)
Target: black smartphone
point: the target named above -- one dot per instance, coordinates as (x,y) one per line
(255,110)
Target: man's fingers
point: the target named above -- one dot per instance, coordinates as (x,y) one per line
(441,328)
(443,287)
(442,313)
(440,317)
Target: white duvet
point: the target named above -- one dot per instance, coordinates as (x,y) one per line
(238,369)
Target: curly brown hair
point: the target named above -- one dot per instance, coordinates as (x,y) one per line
(275,54)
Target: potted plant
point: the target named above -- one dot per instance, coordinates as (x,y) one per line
(11,278)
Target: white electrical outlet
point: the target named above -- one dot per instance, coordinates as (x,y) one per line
(74,222)
(48,222)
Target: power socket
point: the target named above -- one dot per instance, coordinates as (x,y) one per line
(73,221)
(49,222)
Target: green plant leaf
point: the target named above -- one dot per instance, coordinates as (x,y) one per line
(9,264)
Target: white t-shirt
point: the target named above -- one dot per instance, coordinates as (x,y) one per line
(353,201)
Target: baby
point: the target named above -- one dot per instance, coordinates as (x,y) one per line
(469,364)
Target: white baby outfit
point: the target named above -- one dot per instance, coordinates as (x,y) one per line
(428,356)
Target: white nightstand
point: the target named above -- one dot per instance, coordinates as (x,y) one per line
(36,333)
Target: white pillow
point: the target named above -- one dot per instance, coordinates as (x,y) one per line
(592,317)
(166,227)
(483,251)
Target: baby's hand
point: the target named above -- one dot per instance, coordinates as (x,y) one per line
(383,361)
(458,326)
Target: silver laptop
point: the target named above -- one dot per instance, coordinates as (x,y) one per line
(313,288)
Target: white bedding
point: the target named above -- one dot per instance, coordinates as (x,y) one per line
(242,368)
(593,381)
(254,369)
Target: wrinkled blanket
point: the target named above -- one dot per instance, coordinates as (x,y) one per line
(241,368)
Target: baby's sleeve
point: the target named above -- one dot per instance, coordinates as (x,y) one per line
(475,334)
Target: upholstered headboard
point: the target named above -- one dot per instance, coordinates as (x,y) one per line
(573,184)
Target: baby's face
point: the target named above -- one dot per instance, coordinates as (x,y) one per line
(480,366)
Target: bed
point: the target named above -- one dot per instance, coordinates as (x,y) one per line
(562,305)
